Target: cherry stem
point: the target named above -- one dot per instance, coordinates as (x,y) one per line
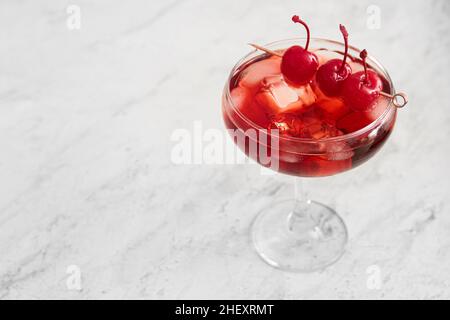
(345,35)
(297,19)
(268,51)
(363,56)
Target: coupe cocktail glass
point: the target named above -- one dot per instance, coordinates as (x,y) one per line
(305,235)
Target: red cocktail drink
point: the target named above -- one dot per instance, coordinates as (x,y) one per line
(308,112)
(318,135)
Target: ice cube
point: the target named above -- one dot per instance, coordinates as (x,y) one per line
(306,95)
(295,125)
(333,150)
(378,109)
(355,121)
(319,129)
(256,72)
(242,100)
(240,97)
(314,114)
(338,150)
(288,124)
(277,96)
(334,106)
(317,124)
(309,124)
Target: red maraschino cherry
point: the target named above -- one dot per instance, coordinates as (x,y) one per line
(361,89)
(299,65)
(332,74)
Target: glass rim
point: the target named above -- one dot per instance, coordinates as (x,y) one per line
(346,136)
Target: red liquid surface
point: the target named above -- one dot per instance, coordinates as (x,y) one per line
(262,99)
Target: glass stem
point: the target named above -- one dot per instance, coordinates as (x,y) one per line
(302,201)
(299,221)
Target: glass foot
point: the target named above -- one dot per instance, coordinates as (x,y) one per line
(299,237)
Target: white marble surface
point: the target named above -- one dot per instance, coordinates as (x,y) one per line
(86,177)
